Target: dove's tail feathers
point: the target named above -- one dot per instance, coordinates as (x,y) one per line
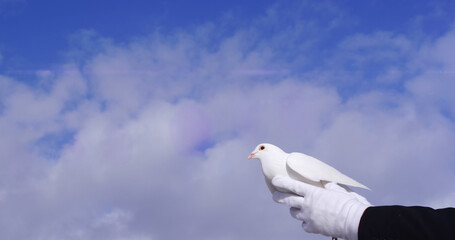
(362,186)
(353,183)
(347,186)
(345,180)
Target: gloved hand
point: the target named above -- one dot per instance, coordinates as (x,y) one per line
(332,211)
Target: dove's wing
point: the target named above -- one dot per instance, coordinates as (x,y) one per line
(315,170)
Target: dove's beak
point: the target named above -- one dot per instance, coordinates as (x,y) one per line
(251,155)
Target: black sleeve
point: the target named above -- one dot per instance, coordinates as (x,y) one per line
(398,222)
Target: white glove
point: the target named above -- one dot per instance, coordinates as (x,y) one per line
(331,211)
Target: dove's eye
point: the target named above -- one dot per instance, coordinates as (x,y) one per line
(262,147)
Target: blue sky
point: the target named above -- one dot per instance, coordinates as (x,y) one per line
(133,120)
(37,35)
(50,24)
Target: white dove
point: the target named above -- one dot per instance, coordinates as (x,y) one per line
(298,166)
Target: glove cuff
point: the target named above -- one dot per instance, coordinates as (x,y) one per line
(354,215)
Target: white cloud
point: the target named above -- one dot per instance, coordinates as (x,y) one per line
(433,87)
